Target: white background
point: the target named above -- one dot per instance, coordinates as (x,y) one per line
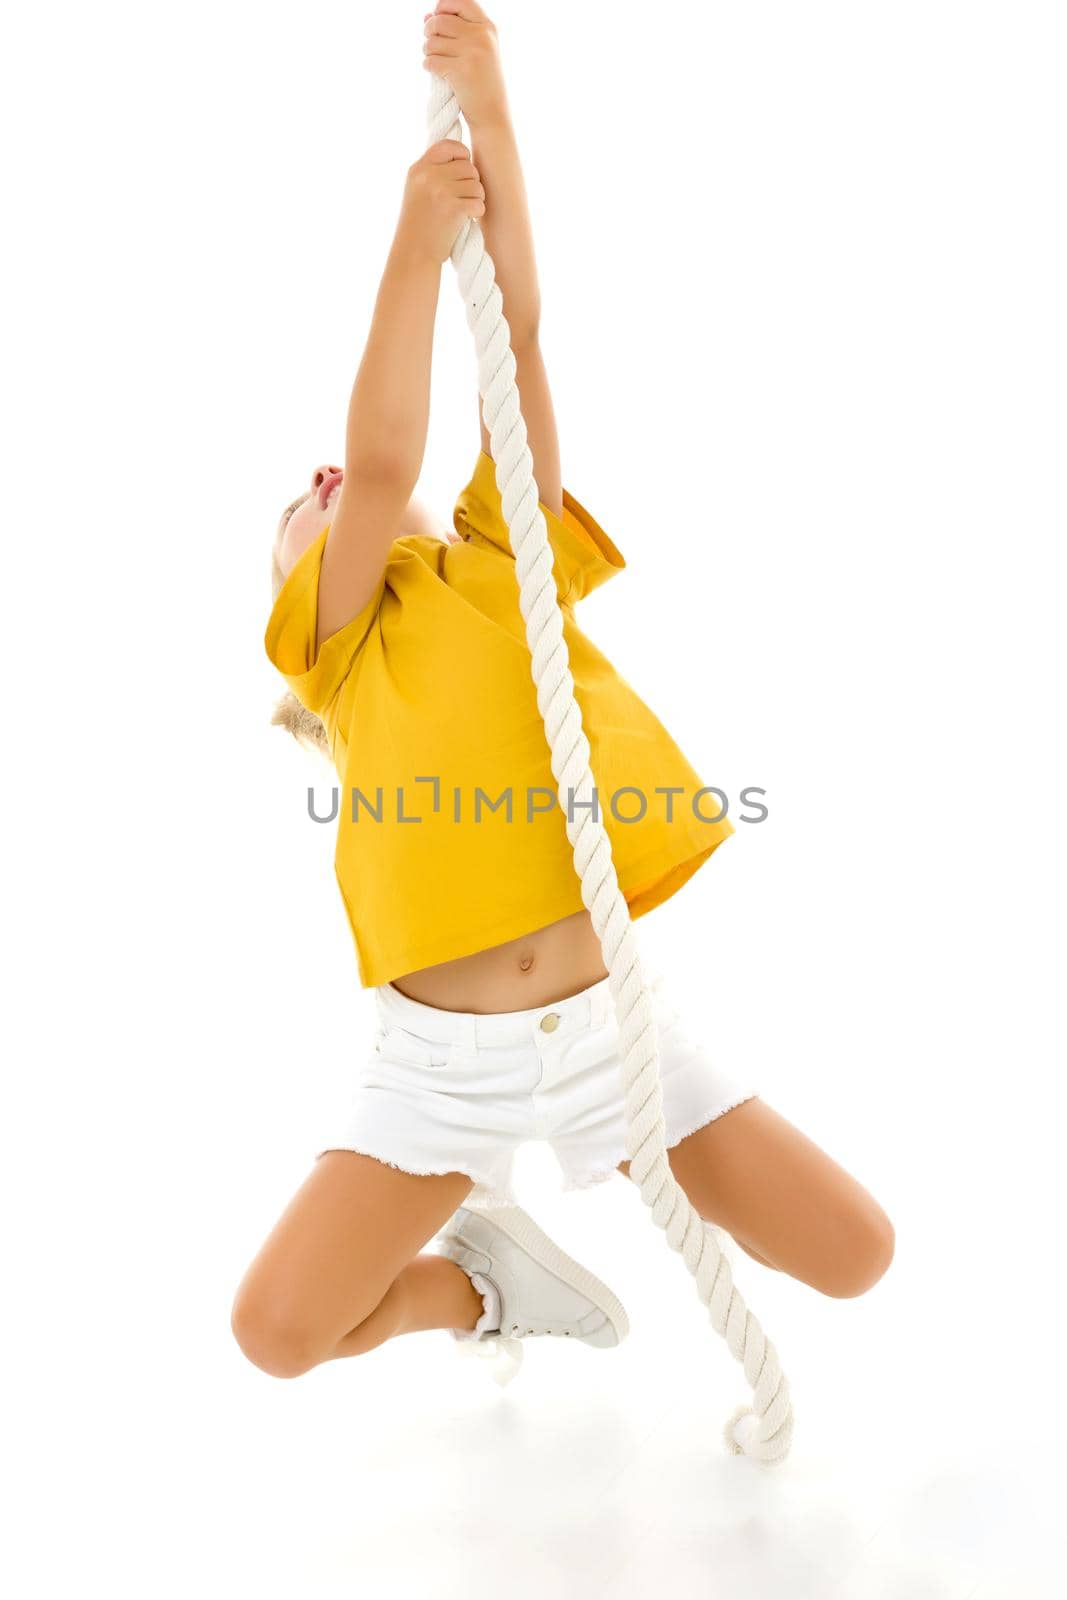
(802,270)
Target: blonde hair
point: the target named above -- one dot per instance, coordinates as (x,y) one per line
(306,728)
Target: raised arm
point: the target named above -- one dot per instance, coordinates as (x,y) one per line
(389,410)
(461,45)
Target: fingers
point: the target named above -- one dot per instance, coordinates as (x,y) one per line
(442,27)
(439,65)
(466,9)
(461,168)
(462,173)
(448,150)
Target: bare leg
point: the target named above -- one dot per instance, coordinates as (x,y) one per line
(761,1259)
(430,1292)
(784,1200)
(341,1271)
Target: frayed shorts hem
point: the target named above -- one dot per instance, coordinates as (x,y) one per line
(590,1180)
(485,1192)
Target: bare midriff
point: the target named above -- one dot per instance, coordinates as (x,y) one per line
(547,965)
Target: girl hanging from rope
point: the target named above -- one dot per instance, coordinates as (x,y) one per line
(405,652)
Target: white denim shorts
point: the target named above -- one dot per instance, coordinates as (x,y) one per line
(459,1091)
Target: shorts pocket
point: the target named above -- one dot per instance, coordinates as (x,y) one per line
(411,1049)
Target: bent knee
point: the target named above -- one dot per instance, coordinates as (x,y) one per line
(273,1339)
(862,1260)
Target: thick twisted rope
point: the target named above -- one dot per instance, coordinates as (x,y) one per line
(762,1430)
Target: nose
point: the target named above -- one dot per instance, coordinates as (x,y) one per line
(320,476)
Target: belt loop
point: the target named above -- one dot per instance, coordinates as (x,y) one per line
(602,1003)
(469,1032)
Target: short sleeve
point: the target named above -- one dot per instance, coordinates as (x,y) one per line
(290,637)
(583,555)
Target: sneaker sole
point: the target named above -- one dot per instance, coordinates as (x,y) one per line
(524,1232)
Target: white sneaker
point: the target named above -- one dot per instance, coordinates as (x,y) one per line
(541,1289)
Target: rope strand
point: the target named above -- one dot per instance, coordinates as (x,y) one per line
(762,1430)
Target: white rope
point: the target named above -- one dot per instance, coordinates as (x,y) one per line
(764,1429)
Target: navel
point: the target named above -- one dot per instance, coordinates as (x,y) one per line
(526,962)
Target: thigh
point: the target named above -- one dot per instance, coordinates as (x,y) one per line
(784,1199)
(349,1230)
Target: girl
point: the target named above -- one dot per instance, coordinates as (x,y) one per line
(405,653)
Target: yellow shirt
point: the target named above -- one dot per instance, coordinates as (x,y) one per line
(428,698)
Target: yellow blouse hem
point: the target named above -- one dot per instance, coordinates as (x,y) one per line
(657,885)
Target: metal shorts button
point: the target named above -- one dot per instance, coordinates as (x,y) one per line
(550,1022)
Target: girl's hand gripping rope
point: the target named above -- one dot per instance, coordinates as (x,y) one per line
(461,45)
(442,189)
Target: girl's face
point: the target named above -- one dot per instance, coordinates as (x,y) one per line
(305,519)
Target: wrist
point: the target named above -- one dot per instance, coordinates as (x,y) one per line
(493,122)
(411,251)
